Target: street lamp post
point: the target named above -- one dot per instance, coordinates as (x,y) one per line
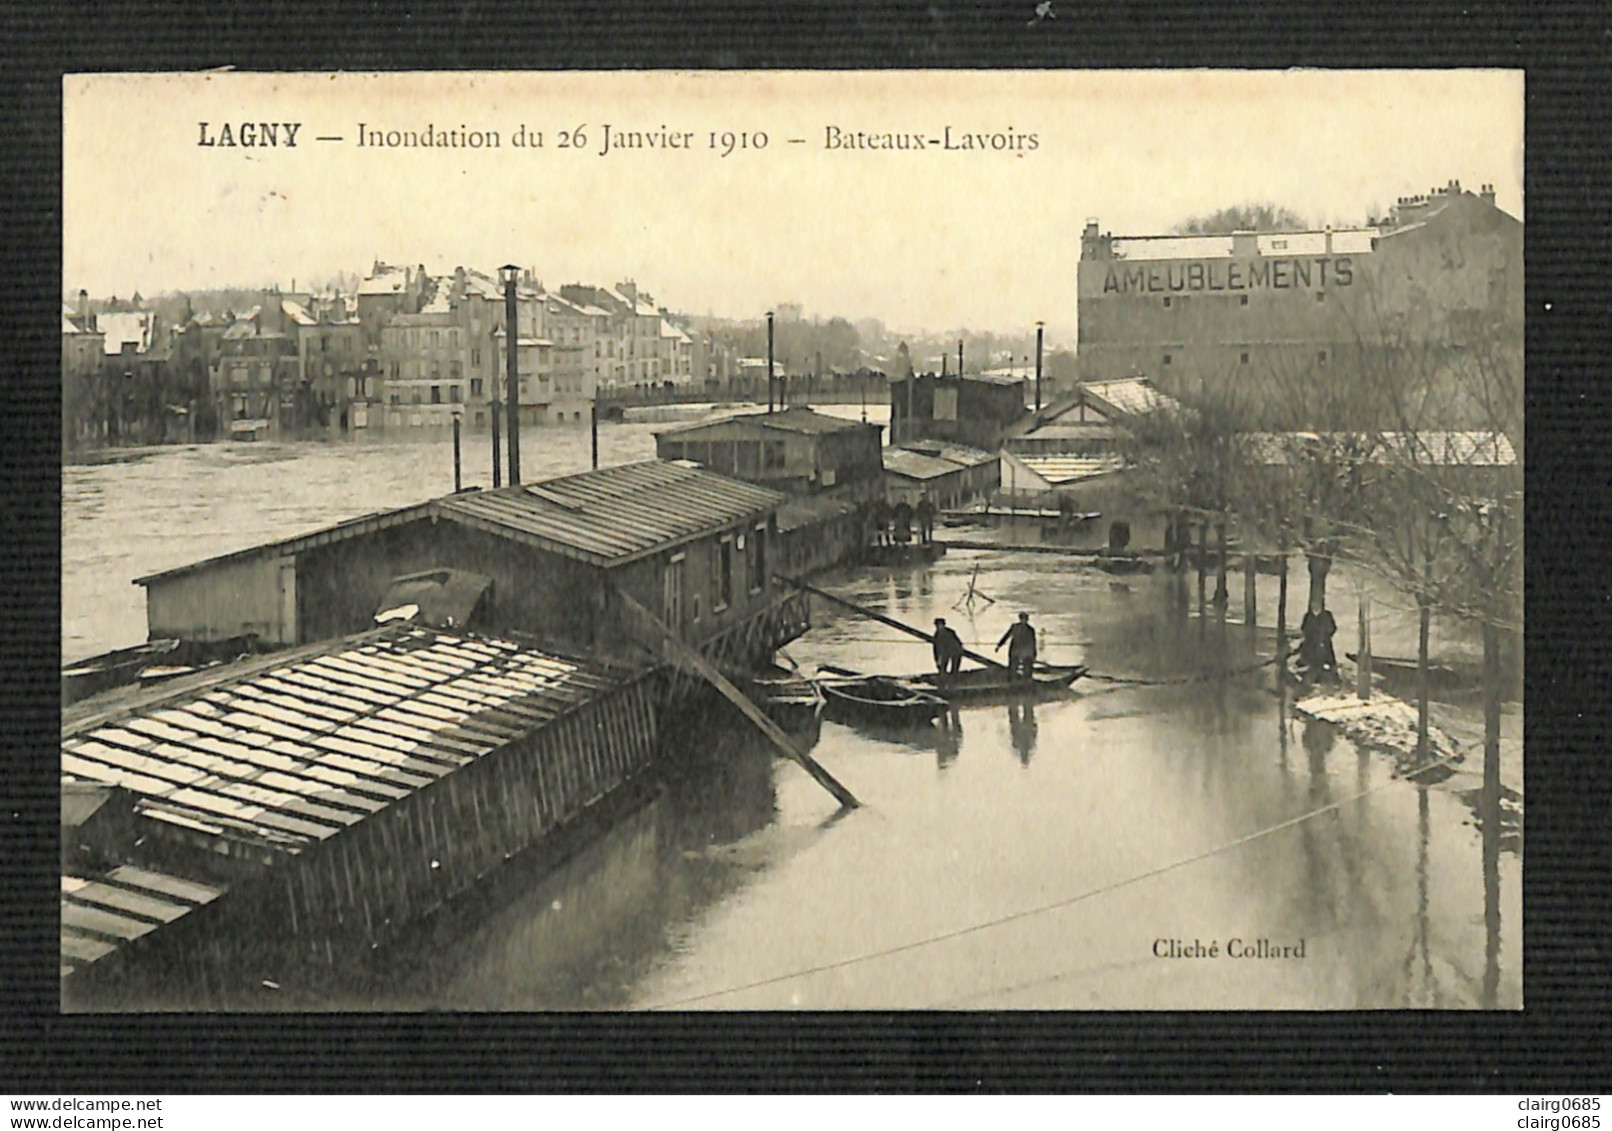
(510,274)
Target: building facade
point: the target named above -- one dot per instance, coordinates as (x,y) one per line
(1254,315)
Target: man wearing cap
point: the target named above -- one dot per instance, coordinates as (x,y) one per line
(1020,640)
(948,648)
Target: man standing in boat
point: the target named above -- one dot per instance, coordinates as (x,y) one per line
(1020,640)
(948,648)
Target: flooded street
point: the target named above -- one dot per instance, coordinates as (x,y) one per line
(1045,855)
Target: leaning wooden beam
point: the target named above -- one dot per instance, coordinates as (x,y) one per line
(689,659)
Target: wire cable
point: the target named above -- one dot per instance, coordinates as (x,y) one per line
(1056,905)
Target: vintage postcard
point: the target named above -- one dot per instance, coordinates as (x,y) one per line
(792,540)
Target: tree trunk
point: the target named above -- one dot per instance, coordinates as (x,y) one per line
(1320,563)
(1491,720)
(1424,617)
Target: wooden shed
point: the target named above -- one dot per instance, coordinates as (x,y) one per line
(795,450)
(690,545)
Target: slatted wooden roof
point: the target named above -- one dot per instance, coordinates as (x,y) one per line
(298,748)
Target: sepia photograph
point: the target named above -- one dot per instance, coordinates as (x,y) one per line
(792,540)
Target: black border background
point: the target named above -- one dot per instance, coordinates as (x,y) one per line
(1558,1043)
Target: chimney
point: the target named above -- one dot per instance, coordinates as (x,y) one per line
(1244,244)
(84,308)
(1486,194)
(1329,239)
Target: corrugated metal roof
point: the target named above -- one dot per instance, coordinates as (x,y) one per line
(616,514)
(287,752)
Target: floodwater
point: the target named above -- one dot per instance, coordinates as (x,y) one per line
(1023,855)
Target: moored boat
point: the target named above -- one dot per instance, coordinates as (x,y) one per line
(881,699)
(981,683)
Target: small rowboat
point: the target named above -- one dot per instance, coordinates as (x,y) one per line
(984,683)
(881,699)
(790,702)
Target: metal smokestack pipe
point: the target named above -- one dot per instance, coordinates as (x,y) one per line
(769,361)
(593,416)
(1038,330)
(511,275)
(959,357)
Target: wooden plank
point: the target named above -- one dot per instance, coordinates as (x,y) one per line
(110,898)
(190,891)
(684,656)
(95,920)
(85,948)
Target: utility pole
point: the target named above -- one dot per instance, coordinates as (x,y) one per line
(1039,326)
(511,274)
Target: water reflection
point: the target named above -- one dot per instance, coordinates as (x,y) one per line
(949,740)
(1022,729)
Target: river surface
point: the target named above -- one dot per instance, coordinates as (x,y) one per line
(1021,856)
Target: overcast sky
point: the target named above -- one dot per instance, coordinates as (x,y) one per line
(938,239)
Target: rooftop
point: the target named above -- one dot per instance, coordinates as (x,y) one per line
(1345,241)
(916,465)
(605,517)
(281,753)
(1069,469)
(797,419)
(118,327)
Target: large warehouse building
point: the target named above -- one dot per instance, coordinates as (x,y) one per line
(1255,314)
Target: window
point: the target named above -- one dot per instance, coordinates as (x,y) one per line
(1278,245)
(453,394)
(396,370)
(416,398)
(1320,296)
(397,398)
(1244,359)
(1321,358)
(475,387)
(773,455)
(475,357)
(1167,359)
(1166,300)
(722,574)
(481,418)
(436,394)
(758,560)
(1242,300)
